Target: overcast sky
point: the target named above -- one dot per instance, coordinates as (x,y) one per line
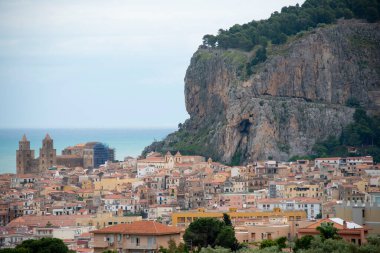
(106,63)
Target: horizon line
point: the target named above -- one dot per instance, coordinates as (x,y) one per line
(88,128)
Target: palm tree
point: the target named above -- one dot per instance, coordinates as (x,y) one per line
(327,230)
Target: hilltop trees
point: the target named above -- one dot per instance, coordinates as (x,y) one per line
(290,21)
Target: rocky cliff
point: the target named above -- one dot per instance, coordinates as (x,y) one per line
(296,97)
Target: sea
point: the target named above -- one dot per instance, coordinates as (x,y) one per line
(127,142)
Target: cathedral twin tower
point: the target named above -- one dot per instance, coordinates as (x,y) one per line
(25,161)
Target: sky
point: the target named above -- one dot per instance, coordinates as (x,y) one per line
(106,64)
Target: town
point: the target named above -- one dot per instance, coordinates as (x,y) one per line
(90,201)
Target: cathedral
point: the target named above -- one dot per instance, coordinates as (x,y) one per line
(25,161)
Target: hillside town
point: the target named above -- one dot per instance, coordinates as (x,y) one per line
(94,203)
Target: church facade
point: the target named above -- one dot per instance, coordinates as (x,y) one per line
(26,163)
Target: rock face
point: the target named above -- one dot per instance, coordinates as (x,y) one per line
(293,99)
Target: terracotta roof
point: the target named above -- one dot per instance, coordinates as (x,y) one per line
(140,228)
(55,220)
(152,159)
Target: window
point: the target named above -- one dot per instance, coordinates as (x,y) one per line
(151,240)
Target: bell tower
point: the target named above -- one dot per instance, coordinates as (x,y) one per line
(47,154)
(24,157)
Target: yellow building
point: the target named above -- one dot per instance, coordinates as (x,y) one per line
(295,190)
(114,184)
(362,185)
(102,220)
(183,219)
(87,184)
(85,193)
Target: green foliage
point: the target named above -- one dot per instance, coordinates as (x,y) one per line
(290,21)
(281,242)
(267,243)
(303,243)
(212,232)
(302,157)
(226,238)
(328,231)
(227,220)
(330,245)
(217,249)
(310,244)
(14,250)
(236,159)
(203,232)
(352,102)
(363,133)
(174,248)
(44,245)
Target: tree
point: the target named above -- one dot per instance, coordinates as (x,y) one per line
(173,248)
(215,250)
(45,245)
(267,243)
(212,232)
(281,242)
(203,232)
(330,245)
(303,243)
(226,238)
(327,230)
(14,250)
(227,220)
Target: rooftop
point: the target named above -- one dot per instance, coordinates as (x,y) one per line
(140,228)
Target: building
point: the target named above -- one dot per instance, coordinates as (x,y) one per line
(311,206)
(183,219)
(365,214)
(47,157)
(91,155)
(139,236)
(24,157)
(102,220)
(168,161)
(25,161)
(349,231)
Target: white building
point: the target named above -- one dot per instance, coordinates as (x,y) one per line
(311,206)
(145,171)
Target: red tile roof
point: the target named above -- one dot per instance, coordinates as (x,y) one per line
(139,228)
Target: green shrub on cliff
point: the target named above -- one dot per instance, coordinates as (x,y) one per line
(290,21)
(363,133)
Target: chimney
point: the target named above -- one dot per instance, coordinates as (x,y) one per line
(344,224)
